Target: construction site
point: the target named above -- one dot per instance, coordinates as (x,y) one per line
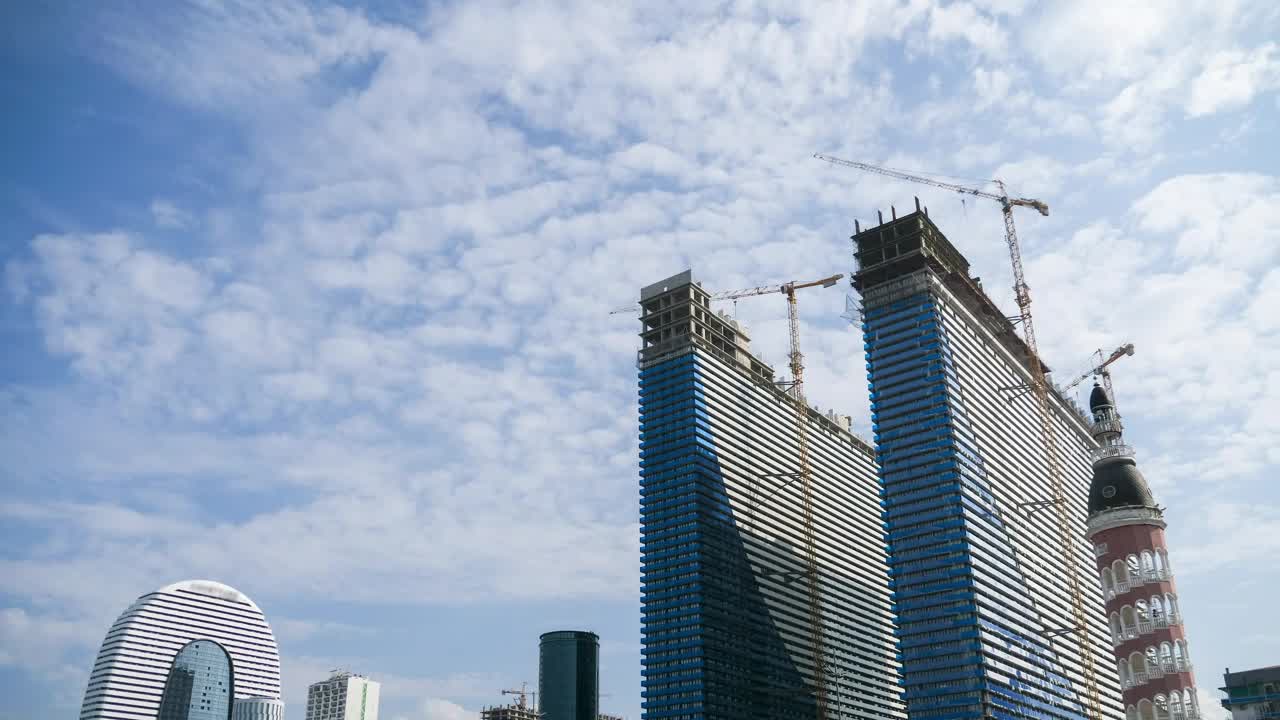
(960,563)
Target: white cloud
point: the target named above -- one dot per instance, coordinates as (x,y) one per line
(169,216)
(1231,79)
(436,709)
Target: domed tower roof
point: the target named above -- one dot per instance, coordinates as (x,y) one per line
(1118,484)
(1098,398)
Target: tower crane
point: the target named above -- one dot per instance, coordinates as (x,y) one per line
(816,631)
(523,693)
(1100,368)
(1040,389)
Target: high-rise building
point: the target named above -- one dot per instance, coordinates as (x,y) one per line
(191,637)
(1251,694)
(984,605)
(258,708)
(725,627)
(569,675)
(344,696)
(1127,530)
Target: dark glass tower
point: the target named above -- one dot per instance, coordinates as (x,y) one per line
(985,620)
(569,675)
(200,685)
(724,591)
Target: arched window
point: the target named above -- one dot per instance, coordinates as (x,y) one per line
(1148,564)
(1190,703)
(1135,568)
(1131,713)
(1171,602)
(1117,633)
(1146,710)
(1166,657)
(1108,583)
(1157,611)
(1164,557)
(1144,613)
(1137,668)
(1186,654)
(1126,675)
(1175,705)
(1129,621)
(1152,658)
(1121,573)
(1160,568)
(1179,661)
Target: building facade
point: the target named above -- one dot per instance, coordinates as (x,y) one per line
(344,696)
(982,591)
(1126,528)
(1252,694)
(725,602)
(147,655)
(257,708)
(569,675)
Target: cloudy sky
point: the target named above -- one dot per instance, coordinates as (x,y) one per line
(313,300)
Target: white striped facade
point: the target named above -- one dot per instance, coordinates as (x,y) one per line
(726,628)
(1008,434)
(129,675)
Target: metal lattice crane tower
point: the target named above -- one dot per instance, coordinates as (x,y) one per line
(817,633)
(1100,369)
(1040,390)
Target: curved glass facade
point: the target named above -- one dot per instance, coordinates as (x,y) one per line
(569,675)
(200,684)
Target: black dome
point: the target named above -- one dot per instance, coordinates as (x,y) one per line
(1117,484)
(1098,398)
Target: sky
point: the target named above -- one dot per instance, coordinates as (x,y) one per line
(314,300)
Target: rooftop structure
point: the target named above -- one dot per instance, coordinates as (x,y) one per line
(977,560)
(258,709)
(168,643)
(514,711)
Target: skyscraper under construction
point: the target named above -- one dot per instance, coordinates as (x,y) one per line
(981,583)
(726,604)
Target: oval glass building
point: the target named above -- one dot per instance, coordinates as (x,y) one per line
(180,642)
(569,675)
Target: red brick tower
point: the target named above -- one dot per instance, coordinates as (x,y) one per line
(1127,530)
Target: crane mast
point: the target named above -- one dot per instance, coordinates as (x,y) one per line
(1100,368)
(817,633)
(1044,412)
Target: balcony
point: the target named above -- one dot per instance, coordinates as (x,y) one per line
(1109,425)
(1111,451)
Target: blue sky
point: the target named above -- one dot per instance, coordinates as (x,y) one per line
(312,300)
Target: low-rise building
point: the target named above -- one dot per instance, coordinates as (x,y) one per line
(1252,694)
